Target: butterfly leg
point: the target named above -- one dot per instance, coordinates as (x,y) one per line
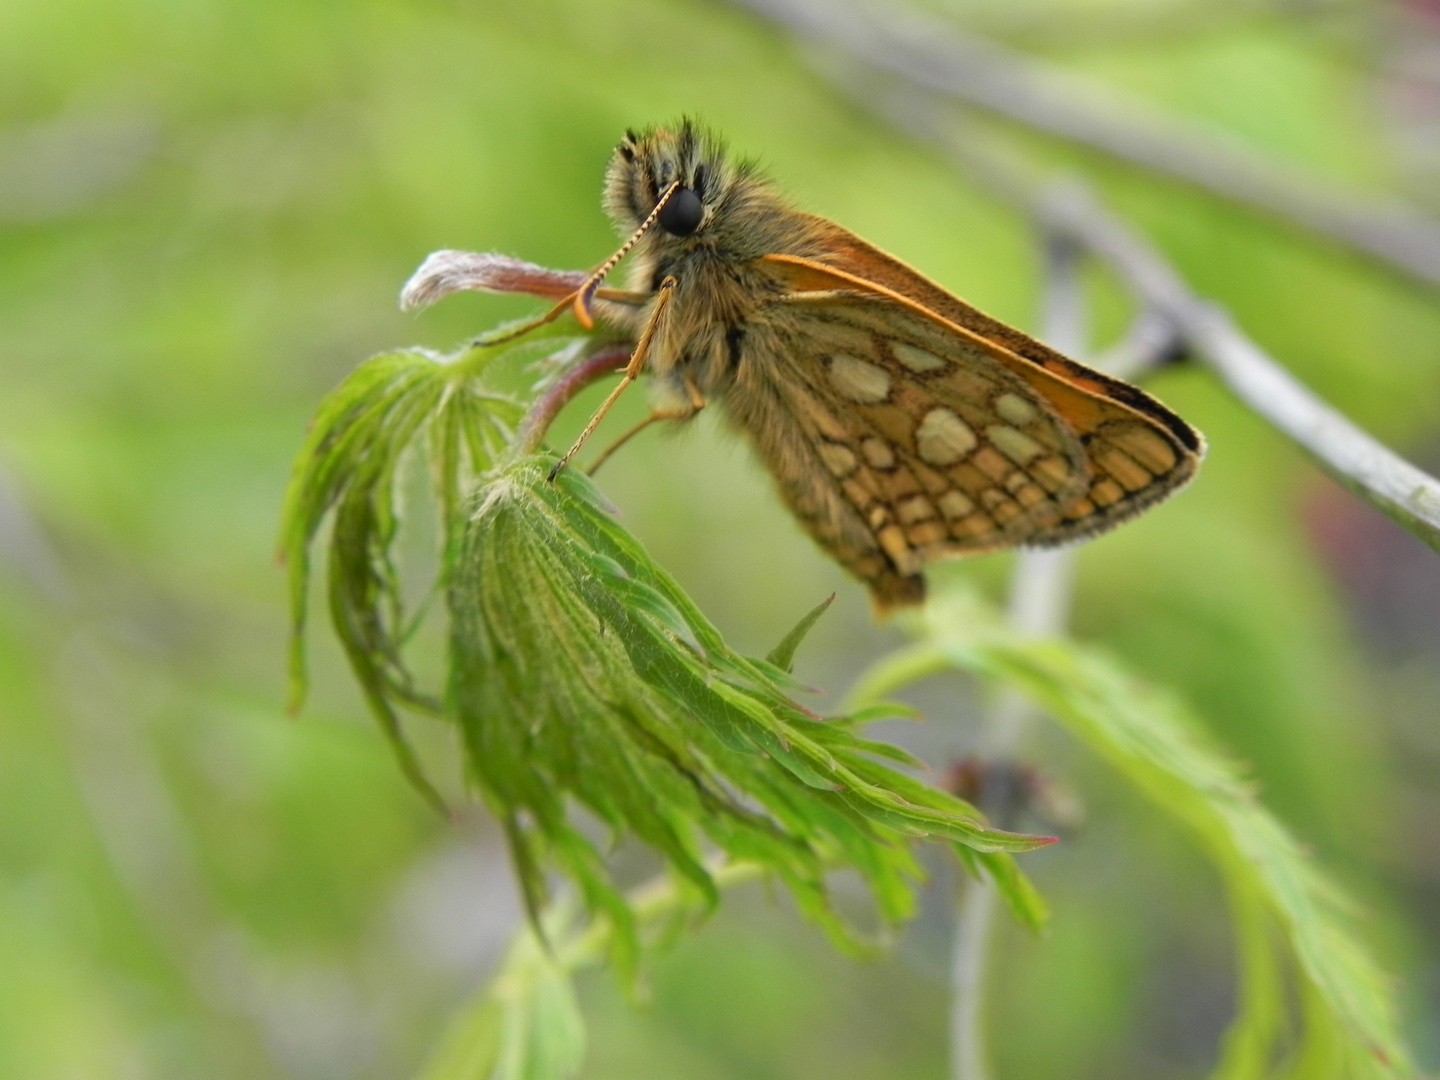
(632,371)
(676,412)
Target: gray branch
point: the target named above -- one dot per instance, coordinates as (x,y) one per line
(26,548)
(1040,589)
(940,58)
(1065,24)
(1357,461)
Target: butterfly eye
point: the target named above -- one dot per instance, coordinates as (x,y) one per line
(681,215)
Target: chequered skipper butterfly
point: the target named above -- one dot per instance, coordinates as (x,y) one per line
(901,424)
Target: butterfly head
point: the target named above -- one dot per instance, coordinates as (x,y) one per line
(644,166)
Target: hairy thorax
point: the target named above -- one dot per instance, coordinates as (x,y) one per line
(702,333)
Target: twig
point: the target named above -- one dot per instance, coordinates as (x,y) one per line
(969,964)
(564,390)
(26,549)
(1066,25)
(1039,606)
(1356,460)
(1151,342)
(942,59)
(1363,465)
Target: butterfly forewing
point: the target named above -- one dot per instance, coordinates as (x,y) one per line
(1135,451)
(897,442)
(1162,443)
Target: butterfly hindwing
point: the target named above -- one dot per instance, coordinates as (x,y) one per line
(897,443)
(923,443)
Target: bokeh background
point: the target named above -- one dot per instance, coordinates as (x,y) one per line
(206,210)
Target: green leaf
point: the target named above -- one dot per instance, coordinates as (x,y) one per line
(524,1022)
(348,470)
(1288,915)
(581,675)
(882,710)
(783,655)
(525,1025)
(1026,904)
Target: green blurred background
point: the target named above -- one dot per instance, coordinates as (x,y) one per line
(206,210)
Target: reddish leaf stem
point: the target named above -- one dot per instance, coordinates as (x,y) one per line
(564,390)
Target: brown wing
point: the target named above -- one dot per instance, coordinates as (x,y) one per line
(918,440)
(896,442)
(858,261)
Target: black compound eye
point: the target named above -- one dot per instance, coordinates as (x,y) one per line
(681,215)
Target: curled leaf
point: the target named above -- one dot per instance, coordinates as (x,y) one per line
(571,691)
(444,273)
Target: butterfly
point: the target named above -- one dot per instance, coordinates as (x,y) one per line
(901,424)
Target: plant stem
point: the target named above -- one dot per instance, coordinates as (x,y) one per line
(564,390)
(1368,469)
(653,901)
(1039,606)
(939,57)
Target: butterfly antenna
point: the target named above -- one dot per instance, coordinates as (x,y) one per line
(632,370)
(581,300)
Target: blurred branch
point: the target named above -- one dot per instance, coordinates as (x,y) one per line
(526,1022)
(1151,342)
(942,59)
(564,390)
(1040,591)
(1065,25)
(52,168)
(26,549)
(1364,466)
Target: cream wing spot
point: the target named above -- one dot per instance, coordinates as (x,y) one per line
(916,508)
(878,453)
(992,465)
(934,482)
(1030,495)
(893,543)
(990,498)
(1053,472)
(858,495)
(954,505)
(1147,447)
(1016,445)
(1122,467)
(898,485)
(859,380)
(975,525)
(1015,410)
(917,360)
(1107,492)
(1006,512)
(840,460)
(931,532)
(816,413)
(943,438)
